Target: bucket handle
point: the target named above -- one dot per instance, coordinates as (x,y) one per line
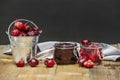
(27,21)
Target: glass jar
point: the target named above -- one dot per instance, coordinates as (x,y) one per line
(65,53)
(92,52)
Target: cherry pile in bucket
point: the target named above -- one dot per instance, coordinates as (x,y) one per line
(23,29)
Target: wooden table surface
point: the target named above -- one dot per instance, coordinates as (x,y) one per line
(8,71)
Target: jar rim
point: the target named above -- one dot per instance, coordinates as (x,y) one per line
(65,45)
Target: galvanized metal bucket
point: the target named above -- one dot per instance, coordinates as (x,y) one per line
(23,47)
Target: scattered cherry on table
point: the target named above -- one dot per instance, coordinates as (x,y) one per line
(49,62)
(20,63)
(33,62)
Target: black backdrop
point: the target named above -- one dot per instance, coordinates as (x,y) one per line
(65,20)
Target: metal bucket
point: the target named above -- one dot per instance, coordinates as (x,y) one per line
(23,47)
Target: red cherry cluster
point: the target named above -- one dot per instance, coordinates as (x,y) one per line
(85,62)
(23,29)
(49,62)
(90,53)
(33,62)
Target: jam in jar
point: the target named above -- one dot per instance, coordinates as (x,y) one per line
(65,53)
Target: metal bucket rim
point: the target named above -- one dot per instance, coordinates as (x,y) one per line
(8,31)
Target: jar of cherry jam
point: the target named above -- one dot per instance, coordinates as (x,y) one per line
(65,53)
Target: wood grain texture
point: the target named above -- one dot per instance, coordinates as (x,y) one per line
(71,72)
(108,70)
(9,71)
(1,48)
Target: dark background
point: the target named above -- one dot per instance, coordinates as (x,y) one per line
(65,20)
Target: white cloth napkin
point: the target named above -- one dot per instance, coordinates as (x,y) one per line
(47,50)
(110,52)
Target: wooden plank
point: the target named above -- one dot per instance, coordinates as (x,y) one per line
(37,73)
(1,48)
(9,71)
(106,71)
(71,72)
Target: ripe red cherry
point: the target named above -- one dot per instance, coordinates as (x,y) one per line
(20,63)
(96,58)
(36,31)
(46,61)
(15,32)
(83,59)
(49,62)
(81,51)
(92,57)
(33,62)
(31,33)
(19,25)
(23,34)
(88,64)
(27,28)
(85,42)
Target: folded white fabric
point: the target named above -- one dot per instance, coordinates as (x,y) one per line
(47,50)
(110,52)
(111,57)
(46,45)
